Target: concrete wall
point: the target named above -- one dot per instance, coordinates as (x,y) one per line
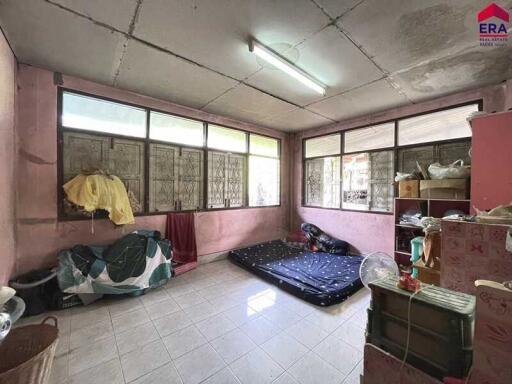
(369,232)
(42,235)
(7,159)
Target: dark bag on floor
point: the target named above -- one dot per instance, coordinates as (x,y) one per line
(323,241)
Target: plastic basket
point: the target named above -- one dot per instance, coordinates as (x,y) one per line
(27,353)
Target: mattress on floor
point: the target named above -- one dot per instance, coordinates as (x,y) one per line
(317,277)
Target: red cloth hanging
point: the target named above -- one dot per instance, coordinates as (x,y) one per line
(182,233)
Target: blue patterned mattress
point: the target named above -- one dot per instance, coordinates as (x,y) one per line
(317,277)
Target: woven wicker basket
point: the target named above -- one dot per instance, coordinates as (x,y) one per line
(27,353)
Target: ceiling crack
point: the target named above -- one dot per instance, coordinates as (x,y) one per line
(131,28)
(129,36)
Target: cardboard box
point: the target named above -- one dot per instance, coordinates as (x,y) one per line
(455,189)
(408,188)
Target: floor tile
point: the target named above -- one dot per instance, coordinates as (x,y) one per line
(339,354)
(215,326)
(179,289)
(91,355)
(60,370)
(205,283)
(299,306)
(166,374)
(86,318)
(87,335)
(360,318)
(224,376)
(285,378)
(154,296)
(212,292)
(162,308)
(187,330)
(260,302)
(124,305)
(105,373)
(327,321)
(201,311)
(284,349)
(129,320)
(233,345)
(226,302)
(189,299)
(256,368)
(355,376)
(144,360)
(351,333)
(311,369)
(171,323)
(241,314)
(260,330)
(199,364)
(306,333)
(183,341)
(282,317)
(63,344)
(136,337)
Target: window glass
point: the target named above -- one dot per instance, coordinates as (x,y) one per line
(322,184)
(226,139)
(323,146)
(436,126)
(375,137)
(264,146)
(368,181)
(263,181)
(174,129)
(92,114)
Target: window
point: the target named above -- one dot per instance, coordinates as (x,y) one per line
(436,126)
(264,172)
(360,175)
(322,171)
(164,160)
(323,146)
(226,180)
(176,178)
(323,182)
(364,139)
(226,139)
(173,129)
(368,181)
(92,114)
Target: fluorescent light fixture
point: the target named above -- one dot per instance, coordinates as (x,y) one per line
(284,65)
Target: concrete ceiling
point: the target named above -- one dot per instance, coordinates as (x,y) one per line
(372,55)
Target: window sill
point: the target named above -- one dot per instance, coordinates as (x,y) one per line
(348,210)
(64,218)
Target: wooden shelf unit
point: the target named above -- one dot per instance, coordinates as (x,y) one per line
(428,207)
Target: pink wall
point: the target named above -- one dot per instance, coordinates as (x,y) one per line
(368,232)
(491,174)
(7,159)
(42,235)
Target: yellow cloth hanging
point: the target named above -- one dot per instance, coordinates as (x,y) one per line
(99,191)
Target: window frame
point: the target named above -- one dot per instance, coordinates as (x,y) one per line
(395,149)
(61,216)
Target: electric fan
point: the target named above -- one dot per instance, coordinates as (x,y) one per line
(376,266)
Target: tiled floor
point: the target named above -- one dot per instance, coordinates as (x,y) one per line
(217,324)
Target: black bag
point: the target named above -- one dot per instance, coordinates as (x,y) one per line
(40,291)
(323,241)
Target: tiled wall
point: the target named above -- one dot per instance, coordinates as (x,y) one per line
(472,251)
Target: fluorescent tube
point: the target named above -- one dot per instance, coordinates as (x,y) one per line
(277,61)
